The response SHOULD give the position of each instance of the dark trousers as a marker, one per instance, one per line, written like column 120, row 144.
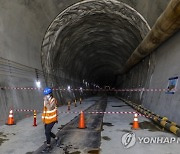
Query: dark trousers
column 48, row 133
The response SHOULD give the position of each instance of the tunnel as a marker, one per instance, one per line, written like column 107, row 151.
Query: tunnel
column 91, row 40
column 89, row 76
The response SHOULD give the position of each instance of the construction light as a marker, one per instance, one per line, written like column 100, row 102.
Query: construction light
column 38, row 84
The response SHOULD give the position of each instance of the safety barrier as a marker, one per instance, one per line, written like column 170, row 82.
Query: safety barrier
column 78, row 112
column 162, row 121
column 11, row 120
column 100, row 89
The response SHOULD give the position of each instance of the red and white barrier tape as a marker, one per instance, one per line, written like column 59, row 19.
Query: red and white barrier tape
column 78, row 112
column 105, row 90
column 92, row 112
column 24, row 110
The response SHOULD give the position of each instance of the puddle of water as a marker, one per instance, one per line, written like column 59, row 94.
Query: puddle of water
column 106, row 138
column 107, row 124
column 2, row 135
column 3, row 138
column 120, row 106
column 29, row 152
column 66, row 149
column 149, row 125
column 126, row 131
column 94, row 151
column 75, row 152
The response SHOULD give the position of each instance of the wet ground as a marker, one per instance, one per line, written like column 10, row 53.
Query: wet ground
column 103, row 134
column 2, row 138
column 23, row 138
column 149, row 125
column 106, row 138
column 115, row 126
column 107, row 124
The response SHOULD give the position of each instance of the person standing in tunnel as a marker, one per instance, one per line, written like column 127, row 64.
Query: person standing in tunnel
column 49, row 117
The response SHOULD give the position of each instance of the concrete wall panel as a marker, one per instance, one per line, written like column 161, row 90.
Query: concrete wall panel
column 166, row 66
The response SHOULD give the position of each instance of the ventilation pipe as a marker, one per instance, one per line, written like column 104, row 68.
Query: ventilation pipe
column 166, row 25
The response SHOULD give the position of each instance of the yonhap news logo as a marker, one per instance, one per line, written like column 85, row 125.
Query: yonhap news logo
column 130, row 139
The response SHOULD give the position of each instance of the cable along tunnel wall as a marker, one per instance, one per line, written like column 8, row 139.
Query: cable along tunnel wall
column 91, row 40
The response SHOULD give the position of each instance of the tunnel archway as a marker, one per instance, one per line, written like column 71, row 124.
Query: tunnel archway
column 91, row 40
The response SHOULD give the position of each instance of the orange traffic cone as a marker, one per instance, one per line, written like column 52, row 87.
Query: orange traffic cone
column 10, row 118
column 135, row 122
column 35, row 118
column 69, row 104
column 75, row 103
column 82, row 121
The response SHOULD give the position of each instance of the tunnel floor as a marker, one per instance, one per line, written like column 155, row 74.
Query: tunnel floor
column 75, row 140
column 104, row 133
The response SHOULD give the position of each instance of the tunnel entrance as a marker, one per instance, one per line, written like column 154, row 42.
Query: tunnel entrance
column 91, row 40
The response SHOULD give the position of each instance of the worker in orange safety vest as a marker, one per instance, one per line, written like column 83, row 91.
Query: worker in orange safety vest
column 49, row 117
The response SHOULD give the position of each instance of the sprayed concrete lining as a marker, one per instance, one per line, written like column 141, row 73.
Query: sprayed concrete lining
column 94, row 38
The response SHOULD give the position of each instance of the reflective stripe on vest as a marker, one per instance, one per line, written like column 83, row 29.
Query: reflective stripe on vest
column 49, row 116
column 49, row 111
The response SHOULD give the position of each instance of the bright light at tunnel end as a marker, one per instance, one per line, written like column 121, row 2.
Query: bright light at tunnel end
column 69, row 88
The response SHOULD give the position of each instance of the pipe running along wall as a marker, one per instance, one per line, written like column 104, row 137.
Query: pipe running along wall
column 166, row 25
column 90, row 40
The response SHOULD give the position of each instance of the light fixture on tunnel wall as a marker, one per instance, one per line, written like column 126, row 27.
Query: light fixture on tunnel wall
column 38, row 83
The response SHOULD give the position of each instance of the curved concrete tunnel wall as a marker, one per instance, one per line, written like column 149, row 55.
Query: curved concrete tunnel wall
column 95, row 38
column 155, row 74
column 23, row 24
column 164, row 64
column 161, row 65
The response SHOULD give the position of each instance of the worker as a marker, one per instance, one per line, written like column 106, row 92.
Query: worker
column 49, row 117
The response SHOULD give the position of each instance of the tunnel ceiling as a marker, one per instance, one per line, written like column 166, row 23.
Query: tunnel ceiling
column 91, row 40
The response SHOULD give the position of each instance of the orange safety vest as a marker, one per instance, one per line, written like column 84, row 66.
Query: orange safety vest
column 50, row 116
